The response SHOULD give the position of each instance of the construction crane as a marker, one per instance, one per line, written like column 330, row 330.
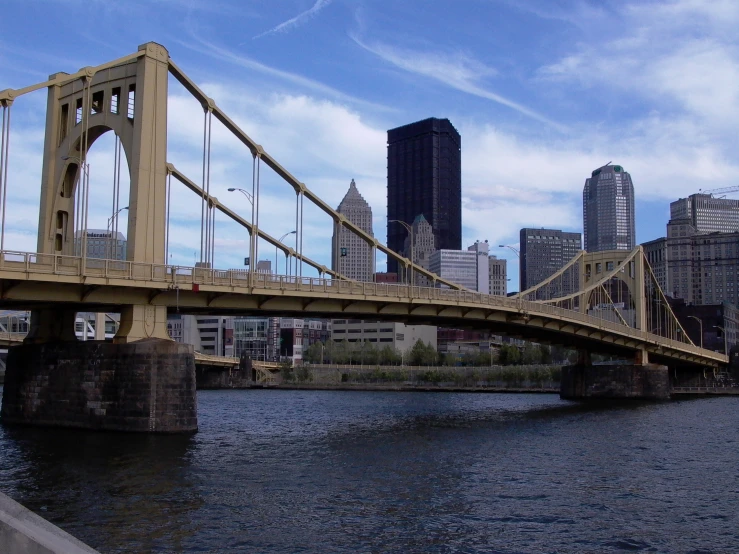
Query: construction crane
column 725, row 190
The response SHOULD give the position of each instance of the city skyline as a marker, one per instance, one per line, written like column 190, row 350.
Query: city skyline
column 347, row 73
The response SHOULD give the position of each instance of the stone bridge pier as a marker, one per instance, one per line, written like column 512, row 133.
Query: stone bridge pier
column 637, row 381
column 135, row 383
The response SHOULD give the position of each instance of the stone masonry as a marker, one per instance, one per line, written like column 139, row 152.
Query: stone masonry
column 144, row 386
column 642, row 382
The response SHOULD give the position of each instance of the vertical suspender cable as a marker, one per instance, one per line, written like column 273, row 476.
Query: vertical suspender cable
column 118, row 196
column 253, row 208
column 166, row 228
column 109, row 245
column 86, row 99
column 211, row 208
column 206, row 186
column 202, row 207
column 4, row 162
column 77, row 214
column 255, row 200
column 297, row 231
column 301, row 233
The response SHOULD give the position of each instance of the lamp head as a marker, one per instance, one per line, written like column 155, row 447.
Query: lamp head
column 231, row 189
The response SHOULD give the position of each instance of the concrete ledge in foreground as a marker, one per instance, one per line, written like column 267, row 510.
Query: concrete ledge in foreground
column 23, row 532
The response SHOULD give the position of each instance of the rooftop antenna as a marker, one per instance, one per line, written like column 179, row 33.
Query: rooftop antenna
column 609, row 163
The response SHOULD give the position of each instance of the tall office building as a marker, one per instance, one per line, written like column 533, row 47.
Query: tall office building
column 498, row 276
column 457, row 266
column 700, row 268
column 352, row 256
column 706, row 213
column 424, row 244
column 544, row 252
column 424, row 170
column 608, row 210
column 482, row 263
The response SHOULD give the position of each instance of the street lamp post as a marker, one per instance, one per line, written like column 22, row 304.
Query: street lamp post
column 413, row 254
column 520, row 275
column 276, row 250
column 515, row 250
column 726, row 344
column 700, row 324
column 252, row 238
column 109, row 230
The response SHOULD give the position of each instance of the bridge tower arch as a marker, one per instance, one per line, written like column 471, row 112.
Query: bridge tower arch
column 594, row 266
column 129, row 99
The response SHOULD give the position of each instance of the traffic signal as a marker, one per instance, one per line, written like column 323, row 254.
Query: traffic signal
column 343, row 252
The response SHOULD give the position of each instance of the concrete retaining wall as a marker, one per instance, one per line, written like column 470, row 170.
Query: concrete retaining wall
column 23, row 532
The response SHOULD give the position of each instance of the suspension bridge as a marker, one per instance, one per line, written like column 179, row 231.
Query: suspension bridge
column 600, row 302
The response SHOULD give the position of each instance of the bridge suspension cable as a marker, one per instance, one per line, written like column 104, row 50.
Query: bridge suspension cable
column 4, row 162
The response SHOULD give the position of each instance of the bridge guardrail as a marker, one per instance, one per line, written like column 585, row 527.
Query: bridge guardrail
column 184, row 275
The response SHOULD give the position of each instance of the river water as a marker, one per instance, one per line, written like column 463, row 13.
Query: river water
column 316, row 471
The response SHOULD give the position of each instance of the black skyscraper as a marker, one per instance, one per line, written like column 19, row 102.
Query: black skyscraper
column 424, row 168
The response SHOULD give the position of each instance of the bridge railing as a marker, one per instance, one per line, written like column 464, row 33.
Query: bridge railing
column 179, row 276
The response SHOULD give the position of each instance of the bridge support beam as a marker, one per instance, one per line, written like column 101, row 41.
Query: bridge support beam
column 626, row 381
column 145, row 386
column 51, row 326
column 142, row 322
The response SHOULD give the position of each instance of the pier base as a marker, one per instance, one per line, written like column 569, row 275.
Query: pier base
column 631, row 381
column 144, row 386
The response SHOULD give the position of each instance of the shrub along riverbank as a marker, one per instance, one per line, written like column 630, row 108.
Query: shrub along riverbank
column 521, row 377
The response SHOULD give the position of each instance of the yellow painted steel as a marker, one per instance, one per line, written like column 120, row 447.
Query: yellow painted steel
column 29, row 280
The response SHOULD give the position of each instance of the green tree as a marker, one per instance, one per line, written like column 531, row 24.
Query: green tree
column 313, row 353
column 530, row 354
column 343, row 352
column 416, row 354
column 449, row 359
column 430, row 355
column 388, row 356
column 422, row 354
column 509, row 355
column 545, row 354
column 558, row 353
column 368, row 353
column 286, row 370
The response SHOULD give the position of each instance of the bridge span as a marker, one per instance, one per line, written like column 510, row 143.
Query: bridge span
column 108, row 285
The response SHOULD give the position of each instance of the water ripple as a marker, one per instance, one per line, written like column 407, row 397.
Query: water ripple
column 318, row 471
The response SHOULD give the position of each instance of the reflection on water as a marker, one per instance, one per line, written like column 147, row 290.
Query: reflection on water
column 313, row 471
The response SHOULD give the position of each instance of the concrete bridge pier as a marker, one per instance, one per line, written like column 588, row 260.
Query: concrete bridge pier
column 638, row 381
column 142, row 381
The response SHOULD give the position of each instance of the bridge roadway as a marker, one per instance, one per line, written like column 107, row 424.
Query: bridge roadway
column 29, row 280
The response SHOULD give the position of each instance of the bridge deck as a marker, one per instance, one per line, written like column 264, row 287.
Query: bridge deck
column 92, row 284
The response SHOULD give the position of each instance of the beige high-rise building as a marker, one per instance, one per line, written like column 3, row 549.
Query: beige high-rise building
column 351, row 256
column 498, row 270
column 424, row 245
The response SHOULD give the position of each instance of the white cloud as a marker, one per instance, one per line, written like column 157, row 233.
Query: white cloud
column 298, row 20
column 458, row 71
column 681, row 56
column 285, row 77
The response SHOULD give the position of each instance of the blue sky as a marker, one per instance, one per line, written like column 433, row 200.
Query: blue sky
column 542, row 92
